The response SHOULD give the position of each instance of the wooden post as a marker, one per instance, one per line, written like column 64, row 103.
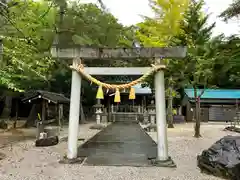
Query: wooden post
column 82, row 115
column 170, row 109
column 142, row 100
column 109, row 109
column 189, row 116
column 16, row 118
column 60, row 115
column 43, row 110
column 43, row 115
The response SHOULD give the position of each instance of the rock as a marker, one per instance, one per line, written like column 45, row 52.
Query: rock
column 232, row 128
column 65, row 160
column 3, row 124
column 222, row 159
column 2, row 156
column 50, row 141
column 97, row 126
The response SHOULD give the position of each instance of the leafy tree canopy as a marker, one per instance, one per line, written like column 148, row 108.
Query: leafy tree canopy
column 232, row 11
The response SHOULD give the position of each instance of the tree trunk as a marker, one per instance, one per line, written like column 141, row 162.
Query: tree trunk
column 197, row 114
column 6, row 112
column 16, row 117
column 7, row 107
column 170, row 109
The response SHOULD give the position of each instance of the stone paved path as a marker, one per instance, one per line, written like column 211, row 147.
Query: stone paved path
column 120, row 144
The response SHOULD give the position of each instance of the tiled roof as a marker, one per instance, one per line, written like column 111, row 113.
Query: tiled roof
column 54, row 97
column 142, row 90
column 215, row 93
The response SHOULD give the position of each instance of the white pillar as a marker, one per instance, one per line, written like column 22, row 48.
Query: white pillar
column 162, row 148
column 74, row 113
column 180, row 110
column 112, row 110
column 139, row 109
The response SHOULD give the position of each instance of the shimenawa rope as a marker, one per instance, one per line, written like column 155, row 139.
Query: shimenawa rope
column 80, row 69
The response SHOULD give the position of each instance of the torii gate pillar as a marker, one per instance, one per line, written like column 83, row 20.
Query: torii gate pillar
column 74, row 113
column 162, row 144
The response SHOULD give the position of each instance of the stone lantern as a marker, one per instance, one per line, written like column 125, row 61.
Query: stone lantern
column 98, row 111
column 152, row 116
column 152, row 112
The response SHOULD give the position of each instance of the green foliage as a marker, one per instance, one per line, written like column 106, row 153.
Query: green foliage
column 25, row 35
column 232, row 11
column 227, row 63
column 158, row 31
column 86, row 24
column 196, row 35
column 28, row 29
column 199, row 63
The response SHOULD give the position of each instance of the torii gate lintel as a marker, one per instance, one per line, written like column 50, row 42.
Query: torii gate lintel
column 87, row 53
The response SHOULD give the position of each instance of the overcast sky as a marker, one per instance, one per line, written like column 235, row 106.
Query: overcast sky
column 128, row 12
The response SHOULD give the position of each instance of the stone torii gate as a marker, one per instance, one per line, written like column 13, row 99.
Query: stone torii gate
column 76, row 53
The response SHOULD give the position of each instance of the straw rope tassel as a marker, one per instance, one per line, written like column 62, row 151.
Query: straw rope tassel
column 100, row 93
column 117, row 97
column 132, row 95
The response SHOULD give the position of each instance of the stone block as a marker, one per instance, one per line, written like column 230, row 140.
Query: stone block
column 50, row 141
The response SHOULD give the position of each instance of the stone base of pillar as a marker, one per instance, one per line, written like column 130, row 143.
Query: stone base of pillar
column 151, row 128
column 97, row 126
column 145, row 122
column 167, row 163
column 77, row 160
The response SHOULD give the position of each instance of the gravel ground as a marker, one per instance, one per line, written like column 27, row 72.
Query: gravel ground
column 26, row 162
